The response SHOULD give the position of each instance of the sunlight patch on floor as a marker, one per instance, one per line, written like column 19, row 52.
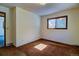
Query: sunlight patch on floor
column 40, row 46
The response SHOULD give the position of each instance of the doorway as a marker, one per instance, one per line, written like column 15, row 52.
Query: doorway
column 2, row 29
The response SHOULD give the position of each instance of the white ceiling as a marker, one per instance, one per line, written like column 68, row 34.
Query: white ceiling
column 43, row 9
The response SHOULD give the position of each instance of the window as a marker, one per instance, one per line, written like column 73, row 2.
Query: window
column 57, row 22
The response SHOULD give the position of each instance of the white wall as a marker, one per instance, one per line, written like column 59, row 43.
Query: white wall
column 69, row 36
column 8, row 23
column 13, row 25
column 27, row 27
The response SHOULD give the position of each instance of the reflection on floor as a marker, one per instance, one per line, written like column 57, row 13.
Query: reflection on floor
column 41, row 48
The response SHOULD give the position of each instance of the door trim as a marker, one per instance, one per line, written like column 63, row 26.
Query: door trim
column 4, row 27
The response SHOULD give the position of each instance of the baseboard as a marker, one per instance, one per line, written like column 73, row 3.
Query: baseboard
column 10, row 45
column 59, row 42
column 28, row 43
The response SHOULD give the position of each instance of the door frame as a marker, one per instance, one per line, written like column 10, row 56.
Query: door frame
column 4, row 27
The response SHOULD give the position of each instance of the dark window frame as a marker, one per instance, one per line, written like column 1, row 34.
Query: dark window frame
column 57, row 18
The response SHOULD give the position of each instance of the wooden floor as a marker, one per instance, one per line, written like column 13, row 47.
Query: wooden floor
column 51, row 49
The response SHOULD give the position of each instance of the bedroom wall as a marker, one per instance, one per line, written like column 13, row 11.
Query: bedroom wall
column 13, row 25
column 27, row 26
column 69, row 36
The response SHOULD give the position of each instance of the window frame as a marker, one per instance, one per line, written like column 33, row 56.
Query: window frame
column 55, row 22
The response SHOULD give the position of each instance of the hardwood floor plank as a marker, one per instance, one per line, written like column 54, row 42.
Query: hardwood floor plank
column 51, row 49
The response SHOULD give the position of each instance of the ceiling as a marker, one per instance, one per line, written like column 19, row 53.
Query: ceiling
column 42, row 10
